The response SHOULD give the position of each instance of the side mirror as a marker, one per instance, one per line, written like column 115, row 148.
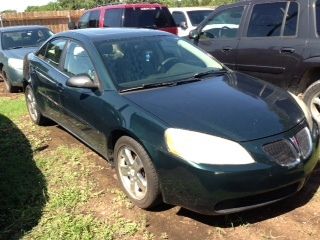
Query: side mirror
column 81, row 81
column 183, row 25
column 194, row 34
column 72, row 25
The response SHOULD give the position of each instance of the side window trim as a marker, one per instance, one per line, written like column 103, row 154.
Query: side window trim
column 284, row 20
column 315, row 19
column 223, row 9
column 92, row 16
column 298, row 21
column 44, row 59
column 249, row 14
column 289, row 3
column 87, row 15
column 71, row 41
column 105, row 13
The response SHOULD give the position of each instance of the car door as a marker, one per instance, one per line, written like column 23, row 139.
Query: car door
column 219, row 34
column 49, row 77
column 271, row 48
column 82, row 107
column 180, row 19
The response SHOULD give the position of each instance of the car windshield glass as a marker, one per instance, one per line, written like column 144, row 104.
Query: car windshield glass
column 135, row 62
column 148, row 18
column 197, row 16
column 24, row 38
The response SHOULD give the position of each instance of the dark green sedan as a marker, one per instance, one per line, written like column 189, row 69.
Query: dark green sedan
column 178, row 126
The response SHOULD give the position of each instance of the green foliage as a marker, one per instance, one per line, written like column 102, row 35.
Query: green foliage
column 87, row 4
column 52, row 6
column 13, row 108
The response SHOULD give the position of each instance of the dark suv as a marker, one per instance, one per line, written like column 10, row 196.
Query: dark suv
column 277, row 41
column 139, row 15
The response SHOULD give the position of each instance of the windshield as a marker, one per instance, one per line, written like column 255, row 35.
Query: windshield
column 24, row 38
column 148, row 18
column 197, row 16
column 141, row 61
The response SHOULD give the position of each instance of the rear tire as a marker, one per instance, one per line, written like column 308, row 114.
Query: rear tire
column 311, row 97
column 136, row 173
column 33, row 108
column 9, row 87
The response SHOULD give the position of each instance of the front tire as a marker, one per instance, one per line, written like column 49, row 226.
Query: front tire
column 136, row 173
column 311, row 98
column 33, row 108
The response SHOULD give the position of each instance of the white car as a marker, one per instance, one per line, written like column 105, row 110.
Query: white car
column 188, row 18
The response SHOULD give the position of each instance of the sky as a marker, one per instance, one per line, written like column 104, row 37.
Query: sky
column 20, row 5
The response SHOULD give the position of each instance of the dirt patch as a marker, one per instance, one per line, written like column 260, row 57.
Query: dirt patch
column 5, row 93
column 297, row 217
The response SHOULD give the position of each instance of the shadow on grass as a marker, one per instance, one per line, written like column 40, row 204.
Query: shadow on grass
column 263, row 213
column 23, row 190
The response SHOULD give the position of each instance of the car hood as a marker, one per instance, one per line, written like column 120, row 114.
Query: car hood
column 233, row 106
column 19, row 53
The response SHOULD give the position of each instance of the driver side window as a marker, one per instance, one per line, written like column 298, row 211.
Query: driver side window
column 78, row 62
column 224, row 24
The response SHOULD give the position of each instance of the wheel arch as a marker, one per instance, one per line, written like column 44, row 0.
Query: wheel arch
column 115, row 135
column 309, row 77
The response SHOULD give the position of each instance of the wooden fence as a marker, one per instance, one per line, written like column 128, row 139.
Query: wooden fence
column 57, row 21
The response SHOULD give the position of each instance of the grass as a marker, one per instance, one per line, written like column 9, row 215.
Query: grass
column 44, row 191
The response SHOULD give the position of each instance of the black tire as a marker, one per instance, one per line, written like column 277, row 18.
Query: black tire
column 151, row 197
column 33, row 108
column 310, row 97
column 9, row 87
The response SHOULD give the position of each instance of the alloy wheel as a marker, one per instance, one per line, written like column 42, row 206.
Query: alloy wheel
column 315, row 107
column 132, row 173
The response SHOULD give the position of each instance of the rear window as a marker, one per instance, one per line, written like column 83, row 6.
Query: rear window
column 197, row 16
column 148, row 18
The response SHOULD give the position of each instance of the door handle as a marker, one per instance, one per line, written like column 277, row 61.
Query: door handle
column 287, row 50
column 226, row 49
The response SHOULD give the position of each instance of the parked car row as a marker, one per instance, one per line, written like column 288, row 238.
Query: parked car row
column 15, row 43
column 179, row 126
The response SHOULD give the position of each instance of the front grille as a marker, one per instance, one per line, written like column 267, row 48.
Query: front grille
column 259, row 198
column 304, row 141
column 282, row 152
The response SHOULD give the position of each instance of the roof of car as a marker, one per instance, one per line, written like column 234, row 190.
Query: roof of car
column 18, row 28
column 185, row 9
column 97, row 34
column 130, row 5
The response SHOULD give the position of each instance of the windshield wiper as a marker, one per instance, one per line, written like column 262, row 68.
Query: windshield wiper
column 149, row 85
column 15, row 47
column 210, row 72
column 195, row 78
column 163, row 84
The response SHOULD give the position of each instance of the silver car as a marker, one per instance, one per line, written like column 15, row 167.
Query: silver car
column 15, row 43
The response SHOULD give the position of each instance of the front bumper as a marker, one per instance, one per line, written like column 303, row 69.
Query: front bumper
column 217, row 190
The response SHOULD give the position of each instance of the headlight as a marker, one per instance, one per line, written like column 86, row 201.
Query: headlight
column 305, row 110
column 15, row 63
column 203, row 148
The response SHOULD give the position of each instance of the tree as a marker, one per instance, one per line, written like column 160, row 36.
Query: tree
column 87, row 4
column 52, row 6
